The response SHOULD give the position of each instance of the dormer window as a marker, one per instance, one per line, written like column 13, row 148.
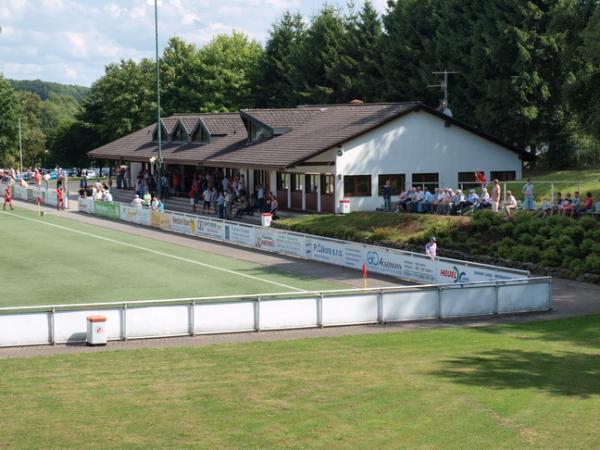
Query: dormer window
column 179, row 135
column 163, row 135
column 259, row 133
column 201, row 136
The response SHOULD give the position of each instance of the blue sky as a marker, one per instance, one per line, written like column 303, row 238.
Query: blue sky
column 70, row 41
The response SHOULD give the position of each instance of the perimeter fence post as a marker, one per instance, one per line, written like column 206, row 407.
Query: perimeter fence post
column 257, row 314
column 439, row 306
column 125, row 321
column 193, row 318
column 380, row 307
column 53, row 326
column 320, row 310
column 496, row 299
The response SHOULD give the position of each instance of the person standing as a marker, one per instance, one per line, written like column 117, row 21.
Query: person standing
column 8, row 199
column 221, row 205
column 496, row 194
column 387, row 196
column 60, row 200
column 431, row 248
column 527, row 190
column 260, row 198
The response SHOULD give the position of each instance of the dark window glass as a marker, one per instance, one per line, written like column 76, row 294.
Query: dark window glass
column 283, row 181
column 357, row 185
column 426, row 180
column 504, row 175
column 327, row 184
column 397, row 183
column 311, row 183
column 467, row 180
column 297, row 181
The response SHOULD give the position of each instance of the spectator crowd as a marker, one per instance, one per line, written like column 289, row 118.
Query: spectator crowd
column 447, row 201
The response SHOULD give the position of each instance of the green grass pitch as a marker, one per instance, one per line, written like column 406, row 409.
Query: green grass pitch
column 505, row 387
column 53, row 260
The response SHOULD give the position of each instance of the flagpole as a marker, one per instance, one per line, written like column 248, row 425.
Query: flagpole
column 20, row 150
column 158, row 124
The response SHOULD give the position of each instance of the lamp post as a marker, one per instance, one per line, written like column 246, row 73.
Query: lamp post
column 159, row 134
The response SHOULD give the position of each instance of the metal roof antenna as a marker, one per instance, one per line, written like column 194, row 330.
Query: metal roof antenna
column 444, row 109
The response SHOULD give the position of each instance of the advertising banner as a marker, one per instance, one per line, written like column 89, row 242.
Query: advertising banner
column 165, row 221
column 212, row 229
column 20, row 192
column 107, row 209
column 290, row 244
column 240, row 234
column 184, row 224
column 86, row 205
column 331, row 252
column 135, row 215
column 455, row 272
column 265, row 239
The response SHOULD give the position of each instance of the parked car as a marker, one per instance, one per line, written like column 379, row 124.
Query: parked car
column 91, row 173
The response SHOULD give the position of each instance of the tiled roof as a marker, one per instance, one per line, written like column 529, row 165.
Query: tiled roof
column 310, row 131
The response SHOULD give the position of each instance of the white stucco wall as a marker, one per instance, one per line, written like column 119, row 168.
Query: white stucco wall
column 419, row 143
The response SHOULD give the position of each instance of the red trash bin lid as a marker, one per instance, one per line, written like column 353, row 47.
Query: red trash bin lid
column 96, row 319
column 266, row 214
column 344, row 201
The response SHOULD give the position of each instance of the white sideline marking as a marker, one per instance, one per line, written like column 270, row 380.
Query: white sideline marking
column 156, row 252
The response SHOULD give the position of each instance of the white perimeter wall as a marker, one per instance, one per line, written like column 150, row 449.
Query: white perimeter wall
column 419, row 143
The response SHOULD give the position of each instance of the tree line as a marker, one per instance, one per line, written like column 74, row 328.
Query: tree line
column 528, row 72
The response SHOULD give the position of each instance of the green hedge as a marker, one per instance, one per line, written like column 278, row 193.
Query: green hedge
column 555, row 242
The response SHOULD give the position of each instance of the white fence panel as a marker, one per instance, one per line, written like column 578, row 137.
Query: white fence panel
column 468, row 301
column 524, row 297
column 410, row 305
column 224, row 317
column 24, row 329
column 171, row 320
column 345, row 310
column 71, row 326
column 299, row 313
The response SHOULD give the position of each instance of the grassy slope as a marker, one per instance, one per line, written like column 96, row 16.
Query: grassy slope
column 566, row 181
column 401, row 228
column 512, row 386
column 46, row 265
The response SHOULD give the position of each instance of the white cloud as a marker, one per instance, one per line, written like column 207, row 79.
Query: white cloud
column 78, row 43
column 73, row 40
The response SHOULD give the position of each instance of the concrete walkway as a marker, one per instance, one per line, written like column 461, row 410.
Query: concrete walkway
column 570, row 299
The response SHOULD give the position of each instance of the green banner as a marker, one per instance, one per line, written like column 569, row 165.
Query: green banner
column 107, row 209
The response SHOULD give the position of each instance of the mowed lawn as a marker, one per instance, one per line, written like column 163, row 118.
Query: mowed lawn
column 79, row 263
column 511, row 386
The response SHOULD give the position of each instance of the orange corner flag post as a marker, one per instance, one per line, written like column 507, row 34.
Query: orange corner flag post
column 365, row 274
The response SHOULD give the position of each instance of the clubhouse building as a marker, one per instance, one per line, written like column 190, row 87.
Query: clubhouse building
column 312, row 157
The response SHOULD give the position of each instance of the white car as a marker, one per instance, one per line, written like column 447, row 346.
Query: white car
column 91, row 173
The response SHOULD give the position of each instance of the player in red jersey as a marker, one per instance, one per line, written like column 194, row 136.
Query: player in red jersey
column 60, row 201
column 8, row 199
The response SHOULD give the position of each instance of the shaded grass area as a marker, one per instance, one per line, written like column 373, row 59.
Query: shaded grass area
column 47, row 265
column 512, row 386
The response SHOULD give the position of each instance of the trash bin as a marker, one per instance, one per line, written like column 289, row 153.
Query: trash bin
column 96, row 330
column 345, row 206
column 265, row 219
